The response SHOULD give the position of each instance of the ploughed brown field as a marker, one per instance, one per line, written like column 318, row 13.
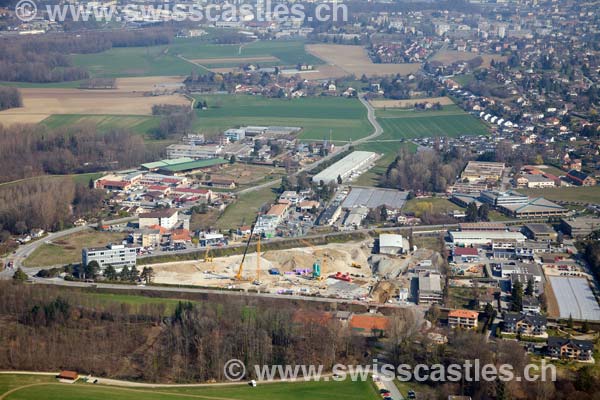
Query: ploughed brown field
column 354, row 60
column 129, row 98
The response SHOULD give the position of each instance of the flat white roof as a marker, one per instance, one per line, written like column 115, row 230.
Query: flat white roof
column 491, row 235
column 390, row 240
column 343, row 166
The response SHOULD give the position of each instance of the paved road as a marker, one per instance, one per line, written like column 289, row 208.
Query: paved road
column 377, row 129
column 23, row 251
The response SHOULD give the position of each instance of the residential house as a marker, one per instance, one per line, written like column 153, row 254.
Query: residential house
column 572, row 349
column 465, row 319
column 525, row 324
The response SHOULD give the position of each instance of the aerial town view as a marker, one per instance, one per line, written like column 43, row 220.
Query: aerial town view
column 300, row 199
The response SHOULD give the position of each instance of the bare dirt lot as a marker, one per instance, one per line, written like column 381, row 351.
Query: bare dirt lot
column 354, row 60
column 146, row 83
column 409, row 103
column 451, row 56
column 219, row 273
column 40, row 103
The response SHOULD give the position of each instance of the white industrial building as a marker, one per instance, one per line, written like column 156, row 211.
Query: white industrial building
column 468, row 238
column 346, row 167
column 117, row 255
column 166, row 218
column 202, row 152
column 392, row 244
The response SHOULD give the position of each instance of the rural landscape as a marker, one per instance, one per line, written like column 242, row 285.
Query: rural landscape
column 301, row 200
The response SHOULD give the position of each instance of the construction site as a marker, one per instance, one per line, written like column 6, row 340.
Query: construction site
column 342, row 270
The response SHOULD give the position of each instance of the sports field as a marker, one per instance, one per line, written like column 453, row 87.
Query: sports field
column 29, row 387
column 177, row 58
column 450, row 121
column 346, row 118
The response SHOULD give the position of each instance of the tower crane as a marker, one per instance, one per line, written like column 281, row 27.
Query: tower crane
column 238, row 275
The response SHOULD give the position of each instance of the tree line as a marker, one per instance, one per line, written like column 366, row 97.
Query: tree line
column 175, row 120
column 45, row 58
column 46, row 203
column 10, row 97
column 424, row 171
column 187, row 343
column 81, row 148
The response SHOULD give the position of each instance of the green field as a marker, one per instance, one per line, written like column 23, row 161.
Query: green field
column 166, row 60
column 584, row 194
column 407, row 123
column 46, row 388
column 389, row 150
column 289, row 52
column 243, row 211
column 68, row 249
column 436, row 205
column 134, row 61
column 346, row 118
column 142, row 124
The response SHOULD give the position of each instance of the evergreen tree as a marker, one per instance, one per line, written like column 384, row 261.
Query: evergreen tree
column 483, row 212
column 20, row 276
column 585, row 327
column 530, row 287
column 134, row 274
column 471, row 213
column 570, row 322
column 124, row 275
column 517, row 297
column 92, row 269
column 110, row 273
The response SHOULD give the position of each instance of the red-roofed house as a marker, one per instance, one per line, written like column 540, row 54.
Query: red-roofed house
column 466, row 319
column 370, row 325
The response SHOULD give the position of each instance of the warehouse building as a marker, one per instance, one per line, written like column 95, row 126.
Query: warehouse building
column 534, row 208
column 352, row 164
column 540, row 232
column 430, row 288
column 117, row 255
column 579, row 227
column 392, row 244
column 375, row 197
column 191, row 166
column 470, row 238
column 480, row 171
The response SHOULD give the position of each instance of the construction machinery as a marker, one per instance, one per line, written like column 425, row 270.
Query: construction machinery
column 318, row 267
column 207, row 256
